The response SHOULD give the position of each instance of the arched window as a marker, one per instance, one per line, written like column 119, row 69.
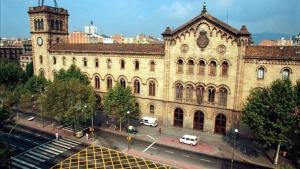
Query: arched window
column 41, row 59
column 54, row 60
column 108, row 63
column 152, row 109
column 198, row 120
column 97, row 82
column 286, row 73
column 122, row 64
column 42, row 73
column 180, row 66
column 225, row 67
column 178, row 117
column 211, row 94
column 84, row 62
column 109, row 83
column 152, row 66
column 201, row 67
column 64, row 61
column 73, row 61
column 190, row 66
column 189, row 93
column 212, row 68
column 223, row 94
column 96, row 63
column 261, row 73
column 42, row 24
column 136, row 86
column 179, row 91
column 220, row 124
column 137, row 65
column 123, row 82
column 151, row 88
column 200, row 94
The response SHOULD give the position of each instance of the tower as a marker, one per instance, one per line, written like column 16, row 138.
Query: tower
column 48, row 26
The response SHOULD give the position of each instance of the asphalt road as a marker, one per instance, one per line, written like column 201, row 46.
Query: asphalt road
column 165, row 152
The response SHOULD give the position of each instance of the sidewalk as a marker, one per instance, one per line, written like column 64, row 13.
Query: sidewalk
column 210, row 144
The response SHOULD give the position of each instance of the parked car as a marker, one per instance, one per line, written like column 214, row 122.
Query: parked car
column 30, row 118
column 189, row 139
column 132, row 130
column 149, row 121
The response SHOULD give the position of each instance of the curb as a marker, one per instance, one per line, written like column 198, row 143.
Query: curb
column 214, row 156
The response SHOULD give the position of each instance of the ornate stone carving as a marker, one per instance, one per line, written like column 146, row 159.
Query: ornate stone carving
column 184, row 48
column 202, row 40
column 221, row 49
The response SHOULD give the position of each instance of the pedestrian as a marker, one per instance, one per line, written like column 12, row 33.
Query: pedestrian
column 87, row 136
column 159, row 130
column 56, row 135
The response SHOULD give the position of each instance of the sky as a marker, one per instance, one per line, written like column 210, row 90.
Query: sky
column 131, row 17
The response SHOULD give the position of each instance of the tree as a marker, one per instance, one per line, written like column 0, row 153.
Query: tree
column 68, row 101
column 11, row 74
column 36, row 84
column 29, row 70
column 118, row 101
column 72, row 72
column 4, row 114
column 269, row 114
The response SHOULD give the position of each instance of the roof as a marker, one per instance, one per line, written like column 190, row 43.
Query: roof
column 101, row 157
column 138, row 49
column 211, row 19
column 190, row 136
column 273, row 52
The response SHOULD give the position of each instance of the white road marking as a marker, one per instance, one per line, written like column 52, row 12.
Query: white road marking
column 171, row 152
column 185, row 155
column 154, row 148
column 151, row 137
column 205, row 160
column 149, row 146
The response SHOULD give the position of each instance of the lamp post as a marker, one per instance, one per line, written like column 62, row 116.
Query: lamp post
column 234, row 140
column 128, row 138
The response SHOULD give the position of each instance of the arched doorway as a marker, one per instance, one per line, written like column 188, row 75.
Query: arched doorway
column 198, row 120
column 220, row 124
column 178, row 117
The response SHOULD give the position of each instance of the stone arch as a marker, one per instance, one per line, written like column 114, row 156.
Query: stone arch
column 137, row 77
column 87, row 75
column 226, row 60
column 202, row 59
column 109, row 75
column 124, row 77
column 152, row 79
column 224, row 86
column 96, row 74
column 261, row 66
column 286, row 68
column 176, row 82
column 220, row 123
column 213, row 59
column 198, row 120
column 178, row 117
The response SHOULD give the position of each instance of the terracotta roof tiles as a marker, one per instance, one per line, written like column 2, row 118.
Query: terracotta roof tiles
column 273, row 52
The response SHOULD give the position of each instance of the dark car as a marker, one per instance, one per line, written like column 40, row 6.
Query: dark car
column 132, row 130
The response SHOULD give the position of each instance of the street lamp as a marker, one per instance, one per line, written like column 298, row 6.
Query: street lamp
column 234, row 140
column 128, row 138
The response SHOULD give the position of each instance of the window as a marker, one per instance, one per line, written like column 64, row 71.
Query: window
column 136, row 86
column 179, row 90
column 35, row 24
column 201, row 67
column 41, row 59
column 212, row 68
column 189, row 93
column 96, row 63
column 179, row 66
column 64, row 61
column 54, row 60
column 261, row 73
column 61, row 25
column 152, row 66
column 84, row 62
column 52, row 24
column 152, row 109
column 97, row 82
column 109, row 83
column 56, row 25
column 200, row 94
column 122, row 64
column 190, row 67
column 211, row 94
column 74, row 61
column 42, row 73
column 123, row 82
column 286, row 73
column 108, row 63
column 42, row 24
column 223, row 96
column 137, row 65
column 151, row 88
column 224, row 69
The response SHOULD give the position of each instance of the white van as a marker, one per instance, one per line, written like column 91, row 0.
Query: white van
column 149, row 121
column 189, row 139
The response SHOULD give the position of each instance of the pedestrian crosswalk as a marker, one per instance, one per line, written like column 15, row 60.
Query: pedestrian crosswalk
column 34, row 158
column 76, row 128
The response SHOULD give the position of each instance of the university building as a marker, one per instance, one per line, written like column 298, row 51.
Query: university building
column 199, row 78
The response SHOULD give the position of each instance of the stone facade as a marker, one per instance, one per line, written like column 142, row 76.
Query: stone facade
column 201, row 75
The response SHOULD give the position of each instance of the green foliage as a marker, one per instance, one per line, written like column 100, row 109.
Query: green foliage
column 269, row 113
column 69, row 101
column 118, row 101
column 10, row 96
column 72, row 72
column 4, row 113
column 29, row 70
column 36, row 84
column 11, row 74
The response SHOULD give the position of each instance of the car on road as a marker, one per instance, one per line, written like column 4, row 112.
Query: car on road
column 149, row 121
column 189, row 139
column 30, row 118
